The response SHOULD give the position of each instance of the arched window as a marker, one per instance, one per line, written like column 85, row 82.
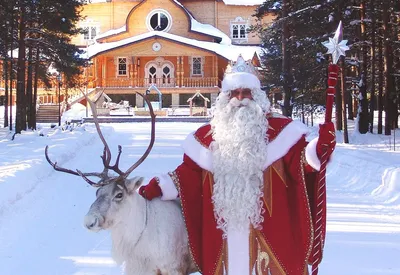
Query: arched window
column 152, row 75
column 167, row 75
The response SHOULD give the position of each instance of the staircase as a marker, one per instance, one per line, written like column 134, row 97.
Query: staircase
column 47, row 114
column 78, row 96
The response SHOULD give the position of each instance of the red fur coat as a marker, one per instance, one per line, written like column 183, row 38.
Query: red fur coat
column 287, row 231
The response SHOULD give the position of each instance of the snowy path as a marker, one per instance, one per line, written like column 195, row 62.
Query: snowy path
column 41, row 211
column 363, row 230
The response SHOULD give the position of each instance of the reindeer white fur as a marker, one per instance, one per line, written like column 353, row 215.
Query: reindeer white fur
column 149, row 236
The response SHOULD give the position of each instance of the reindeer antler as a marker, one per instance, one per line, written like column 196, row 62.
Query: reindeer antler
column 152, row 139
column 106, row 157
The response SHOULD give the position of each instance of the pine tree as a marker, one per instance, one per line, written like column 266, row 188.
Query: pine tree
column 372, row 28
column 45, row 28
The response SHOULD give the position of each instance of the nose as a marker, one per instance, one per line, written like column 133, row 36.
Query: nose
column 92, row 222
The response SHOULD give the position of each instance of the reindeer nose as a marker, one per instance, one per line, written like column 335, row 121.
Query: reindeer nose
column 92, row 223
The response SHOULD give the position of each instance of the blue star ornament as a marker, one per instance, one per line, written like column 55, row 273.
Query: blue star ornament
column 336, row 47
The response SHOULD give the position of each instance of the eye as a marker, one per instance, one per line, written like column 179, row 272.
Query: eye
column 119, row 196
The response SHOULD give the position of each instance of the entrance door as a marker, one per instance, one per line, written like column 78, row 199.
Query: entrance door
column 160, row 72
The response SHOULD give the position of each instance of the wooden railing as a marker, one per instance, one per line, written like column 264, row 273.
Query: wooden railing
column 187, row 82
column 159, row 82
column 200, row 82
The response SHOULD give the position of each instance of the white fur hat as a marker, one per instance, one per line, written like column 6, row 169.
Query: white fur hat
column 240, row 74
column 240, row 80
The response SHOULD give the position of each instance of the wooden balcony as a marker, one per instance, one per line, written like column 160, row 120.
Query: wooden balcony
column 186, row 82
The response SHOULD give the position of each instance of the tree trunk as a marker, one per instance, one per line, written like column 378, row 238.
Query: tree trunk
column 286, row 68
column 338, row 110
column 396, row 80
column 363, row 112
column 343, row 103
column 372, row 104
column 36, row 79
column 11, row 70
column 380, row 85
column 355, row 97
column 7, row 99
column 29, row 86
column 350, row 105
column 20, row 120
column 388, row 67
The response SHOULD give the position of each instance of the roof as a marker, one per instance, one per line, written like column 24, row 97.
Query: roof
column 198, row 94
column 230, row 52
column 243, row 2
column 195, row 26
column 227, row 2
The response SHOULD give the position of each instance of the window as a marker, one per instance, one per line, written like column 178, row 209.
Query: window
column 239, row 31
column 89, row 33
column 90, row 30
column 197, row 66
column 166, row 75
column 122, row 66
column 159, row 20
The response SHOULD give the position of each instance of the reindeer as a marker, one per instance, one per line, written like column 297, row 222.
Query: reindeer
column 148, row 236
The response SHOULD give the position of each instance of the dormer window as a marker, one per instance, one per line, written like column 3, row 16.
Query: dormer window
column 239, row 31
column 159, row 20
column 90, row 29
column 89, row 33
column 239, row 28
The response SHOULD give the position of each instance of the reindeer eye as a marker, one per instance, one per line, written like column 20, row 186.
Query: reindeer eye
column 119, row 195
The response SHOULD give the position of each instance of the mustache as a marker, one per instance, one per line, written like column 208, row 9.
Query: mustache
column 234, row 102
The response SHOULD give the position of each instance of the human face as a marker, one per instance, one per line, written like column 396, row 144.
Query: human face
column 241, row 94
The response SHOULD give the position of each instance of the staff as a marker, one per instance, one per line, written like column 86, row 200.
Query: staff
column 337, row 48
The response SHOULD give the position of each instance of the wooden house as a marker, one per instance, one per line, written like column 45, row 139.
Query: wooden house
column 180, row 46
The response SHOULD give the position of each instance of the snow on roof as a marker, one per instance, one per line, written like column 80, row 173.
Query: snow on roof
column 210, row 30
column 230, row 52
column 243, row 2
column 195, row 26
column 111, row 32
column 206, row 28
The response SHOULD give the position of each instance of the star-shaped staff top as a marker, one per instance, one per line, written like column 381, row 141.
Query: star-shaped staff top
column 336, row 47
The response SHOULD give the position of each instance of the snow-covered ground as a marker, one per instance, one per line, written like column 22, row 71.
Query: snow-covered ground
column 41, row 210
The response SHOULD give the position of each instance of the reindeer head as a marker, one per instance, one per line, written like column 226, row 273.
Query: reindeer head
column 115, row 192
column 114, row 202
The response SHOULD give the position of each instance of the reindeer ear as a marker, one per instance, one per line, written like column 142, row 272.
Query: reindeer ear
column 133, row 183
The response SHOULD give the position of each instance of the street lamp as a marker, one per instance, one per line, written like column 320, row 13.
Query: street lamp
column 59, row 78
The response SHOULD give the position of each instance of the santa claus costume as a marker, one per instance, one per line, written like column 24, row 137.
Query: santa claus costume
column 246, row 185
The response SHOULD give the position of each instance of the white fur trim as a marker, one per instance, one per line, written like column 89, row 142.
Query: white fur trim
column 198, row 153
column 168, row 188
column 311, row 154
column 238, row 252
column 277, row 148
column 286, row 139
column 240, row 80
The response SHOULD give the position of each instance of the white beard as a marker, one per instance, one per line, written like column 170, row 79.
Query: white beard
column 239, row 153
